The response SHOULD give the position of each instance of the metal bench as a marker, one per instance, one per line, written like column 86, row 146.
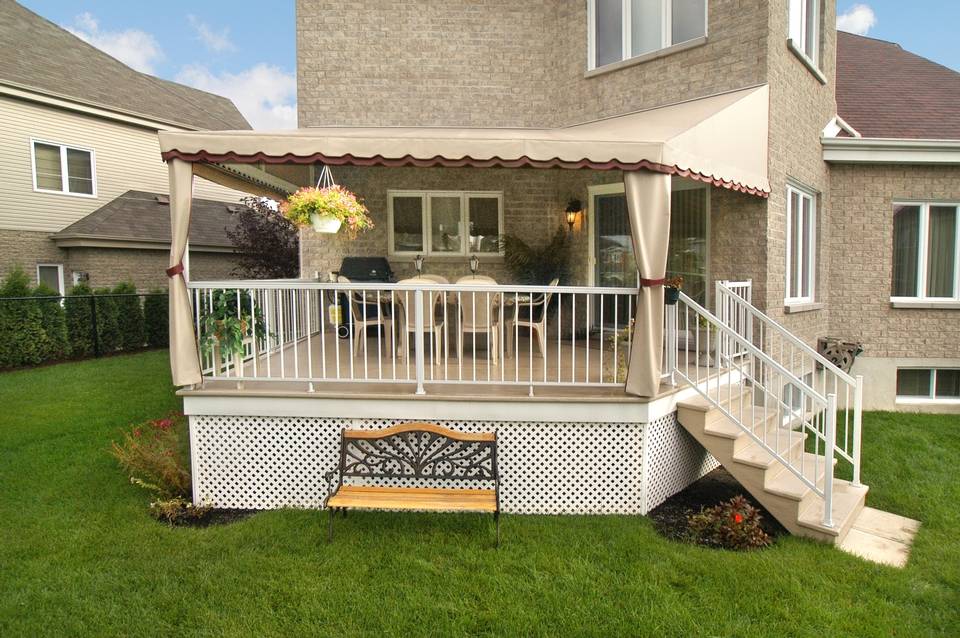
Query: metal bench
column 374, row 462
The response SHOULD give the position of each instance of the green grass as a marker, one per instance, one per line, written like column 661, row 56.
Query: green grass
column 79, row 554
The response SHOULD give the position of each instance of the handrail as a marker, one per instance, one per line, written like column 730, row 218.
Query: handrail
column 751, row 348
column 793, row 339
column 293, row 284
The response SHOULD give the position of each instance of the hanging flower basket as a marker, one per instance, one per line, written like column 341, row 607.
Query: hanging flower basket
column 327, row 207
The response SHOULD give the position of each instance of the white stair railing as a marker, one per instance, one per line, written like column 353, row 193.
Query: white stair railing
column 737, row 311
column 780, row 410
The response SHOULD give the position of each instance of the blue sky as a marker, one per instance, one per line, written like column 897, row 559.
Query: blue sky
column 247, row 50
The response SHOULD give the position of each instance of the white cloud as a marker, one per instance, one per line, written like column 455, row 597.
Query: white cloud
column 859, row 20
column 135, row 48
column 216, row 41
column 265, row 94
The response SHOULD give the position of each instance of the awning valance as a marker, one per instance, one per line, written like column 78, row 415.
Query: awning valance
column 720, row 139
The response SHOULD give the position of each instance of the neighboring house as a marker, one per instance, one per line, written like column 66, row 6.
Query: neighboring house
column 78, row 130
column 459, row 123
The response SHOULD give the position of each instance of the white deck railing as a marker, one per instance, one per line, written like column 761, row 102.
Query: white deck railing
column 315, row 332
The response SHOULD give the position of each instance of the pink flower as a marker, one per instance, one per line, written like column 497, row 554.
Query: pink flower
column 738, row 518
column 136, row 432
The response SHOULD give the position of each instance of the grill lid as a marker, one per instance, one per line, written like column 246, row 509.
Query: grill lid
column 366, row 269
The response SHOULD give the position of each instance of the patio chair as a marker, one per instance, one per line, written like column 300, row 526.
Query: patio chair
column 432, row 323
column 532, row 314
column 364, row 313
column 479, row 314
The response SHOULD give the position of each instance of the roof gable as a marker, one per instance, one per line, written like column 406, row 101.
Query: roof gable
column 40, row 55
column 884, row 91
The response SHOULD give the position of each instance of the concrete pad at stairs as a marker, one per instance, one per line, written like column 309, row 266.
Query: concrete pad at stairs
column 881, row 537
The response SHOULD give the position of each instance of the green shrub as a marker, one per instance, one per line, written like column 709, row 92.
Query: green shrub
column 129, row 317
column 733, row 524
column 156, row 319
column 22, row 339
column 76, row 306
column 153, row 455
column 108, row 320
column 54, row 323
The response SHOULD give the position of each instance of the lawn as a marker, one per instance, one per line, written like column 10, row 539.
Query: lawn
column 80, row 556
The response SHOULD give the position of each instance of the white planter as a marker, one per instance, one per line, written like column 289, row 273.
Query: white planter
column 325, row 223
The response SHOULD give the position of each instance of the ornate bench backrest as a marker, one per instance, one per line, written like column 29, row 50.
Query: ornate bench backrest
column 418, row 451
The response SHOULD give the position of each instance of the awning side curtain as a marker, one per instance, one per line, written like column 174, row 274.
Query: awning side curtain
column 184, row 359
column 648, row 203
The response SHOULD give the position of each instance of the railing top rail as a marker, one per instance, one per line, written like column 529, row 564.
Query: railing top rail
column 297, row 284
column 819, row 358
column 752, row 349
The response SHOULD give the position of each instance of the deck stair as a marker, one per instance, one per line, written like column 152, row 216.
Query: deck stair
column 779, row 417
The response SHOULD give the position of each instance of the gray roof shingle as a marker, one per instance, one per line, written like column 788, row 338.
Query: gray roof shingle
column 886, row 92
column 142, row 216
column 38, row 54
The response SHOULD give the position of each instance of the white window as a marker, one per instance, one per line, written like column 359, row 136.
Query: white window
column 805, row 28
column 623, row 29
column 51, row 276
column 928, row 384
column 445, row 222
column 801, row 245
column 926, row 253
column 63, row 169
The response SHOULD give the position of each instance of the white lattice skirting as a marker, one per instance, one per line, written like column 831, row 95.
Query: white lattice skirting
column 253, row 462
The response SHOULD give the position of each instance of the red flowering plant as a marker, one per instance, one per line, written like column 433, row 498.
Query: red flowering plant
column 733, row 524
column 153, row 455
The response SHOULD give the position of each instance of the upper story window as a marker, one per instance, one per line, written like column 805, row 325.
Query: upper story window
column 801, row 245
column 445, row 222
column 623, row 29
column 805, row 28
column 63, row 169
column 926, row 252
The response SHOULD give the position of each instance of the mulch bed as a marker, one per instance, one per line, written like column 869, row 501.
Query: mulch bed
column 670, row 517
column 216, row 517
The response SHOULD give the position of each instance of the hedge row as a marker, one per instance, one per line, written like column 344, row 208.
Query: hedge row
column 36, row 330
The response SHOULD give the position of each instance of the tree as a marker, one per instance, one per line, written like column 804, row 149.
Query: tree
column 22, row 339
column 155, row 316
column 53, row 321
column 77, row 306
column 266, row 242
column 129, row 317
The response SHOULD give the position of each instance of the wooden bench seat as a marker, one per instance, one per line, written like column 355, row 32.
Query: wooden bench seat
column 415, row 452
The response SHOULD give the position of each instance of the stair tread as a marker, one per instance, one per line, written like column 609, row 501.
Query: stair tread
column 729, row 430
column 757, row 456
column 848, row 501
column 701, row 404
column 789, row 485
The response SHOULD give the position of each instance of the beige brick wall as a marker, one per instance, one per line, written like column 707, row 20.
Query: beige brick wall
column 422, row 62
column 860, row 239
column 106, row 266
column 800, row 107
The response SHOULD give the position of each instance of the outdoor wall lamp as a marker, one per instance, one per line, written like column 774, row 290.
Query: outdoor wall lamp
column 574, row 208
column 474, row 264
column 418, row 264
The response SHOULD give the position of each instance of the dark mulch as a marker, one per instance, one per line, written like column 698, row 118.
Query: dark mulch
column 670, row 517
column 215, row 517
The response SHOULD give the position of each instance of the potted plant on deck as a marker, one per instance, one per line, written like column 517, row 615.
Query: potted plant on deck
column 226, row 327
column 671, row 290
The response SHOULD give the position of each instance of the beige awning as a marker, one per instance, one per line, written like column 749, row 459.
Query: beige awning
column 720, row 139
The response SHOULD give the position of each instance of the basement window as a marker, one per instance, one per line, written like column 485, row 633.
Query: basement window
column 928, row 384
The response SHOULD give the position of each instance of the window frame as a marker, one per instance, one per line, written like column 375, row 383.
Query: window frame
column 59, row 267
column 426, row 197
column 814, row 198
column 64, row 173
column 922, row 254
column 927, row 398
column 626, row 33
column 805, row 7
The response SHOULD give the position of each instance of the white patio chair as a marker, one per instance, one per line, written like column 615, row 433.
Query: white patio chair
column 532, row 314
column 479, row 314
column 404, row 300
column 364, row 313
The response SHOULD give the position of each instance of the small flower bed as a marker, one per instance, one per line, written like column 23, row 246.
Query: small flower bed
column 733, row 524
column 153, row 455
column 332, row 201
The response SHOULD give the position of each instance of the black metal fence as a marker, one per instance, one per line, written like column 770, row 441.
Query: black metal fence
column 38, row 329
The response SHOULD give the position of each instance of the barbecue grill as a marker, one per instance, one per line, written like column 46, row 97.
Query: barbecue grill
column 360, row 270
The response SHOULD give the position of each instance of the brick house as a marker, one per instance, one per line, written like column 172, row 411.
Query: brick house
column 677, row 137
column 77, row 134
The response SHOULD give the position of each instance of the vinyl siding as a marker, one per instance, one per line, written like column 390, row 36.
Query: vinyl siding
column 127, row 157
